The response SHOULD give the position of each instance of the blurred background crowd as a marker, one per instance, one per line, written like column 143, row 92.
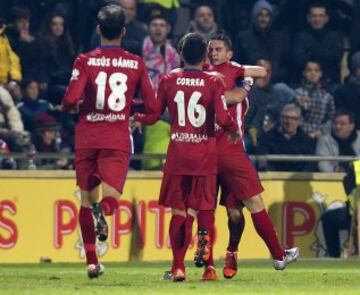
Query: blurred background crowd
column 308, row 104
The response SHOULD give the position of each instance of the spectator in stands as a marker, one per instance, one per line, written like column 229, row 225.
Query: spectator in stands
column 261, row 41
column 343, row 140
column 203, row 22
column 336, row 219
column 11, row 126
column 348, row 95
column 263, row 100
column 47, row 139
column 135, row 30
column 31, row 105
column 318, row 42
column 10, row 69
column 287, row 139
column 316, row 103
column 160, row 58
column 27, row 47
column 58, row 52
column 266, row 100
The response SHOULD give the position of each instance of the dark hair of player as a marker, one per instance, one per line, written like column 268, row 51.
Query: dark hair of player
column 111, row 20
column 193, row 48
column 222, row 36
column 344, row 112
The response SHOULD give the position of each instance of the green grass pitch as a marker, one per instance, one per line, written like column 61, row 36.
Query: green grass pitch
column 254, row 277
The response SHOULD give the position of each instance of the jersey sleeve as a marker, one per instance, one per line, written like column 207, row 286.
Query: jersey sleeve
column 239, row 71
column 223, row 117
column 76, row 85
column 147, row 91
column 152, row 118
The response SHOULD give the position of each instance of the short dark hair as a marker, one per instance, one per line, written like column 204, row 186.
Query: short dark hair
column 318, row 5
column 20, row 12
column 193, row 48
column 156, row 17
column 111, row 20
column 315, row 61
column 222, row 36
column 345, row 112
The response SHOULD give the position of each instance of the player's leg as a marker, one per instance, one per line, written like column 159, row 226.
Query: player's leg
column 88, row 234
column 236, row 224
column 266, row 230
column 203, row 198
column 85, row 165
column 206, row 239
column 112, row 166
column 177, row 230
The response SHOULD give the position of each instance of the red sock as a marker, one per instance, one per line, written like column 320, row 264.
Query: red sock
column 206, row 220
column 88, row 234
column 109, row 205
column 177, row 237
column 188, row 234
column 235, row 233
column 266, row 231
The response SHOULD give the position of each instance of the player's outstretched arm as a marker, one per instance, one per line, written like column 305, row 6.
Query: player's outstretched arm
column 254, row 71
column 76, row 86
column 240, row 92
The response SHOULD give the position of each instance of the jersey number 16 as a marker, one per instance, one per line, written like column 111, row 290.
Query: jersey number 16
column 196, row 112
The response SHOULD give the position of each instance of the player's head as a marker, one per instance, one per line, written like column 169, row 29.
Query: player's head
column 111, row 22
column 220, row 49
column 193, row 49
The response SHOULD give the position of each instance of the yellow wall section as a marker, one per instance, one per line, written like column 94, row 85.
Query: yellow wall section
column 35, row 199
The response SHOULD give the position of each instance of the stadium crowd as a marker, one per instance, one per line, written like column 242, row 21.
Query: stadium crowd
column 309, row 102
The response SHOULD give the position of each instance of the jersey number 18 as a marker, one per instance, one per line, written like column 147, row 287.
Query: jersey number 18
column 116, row 100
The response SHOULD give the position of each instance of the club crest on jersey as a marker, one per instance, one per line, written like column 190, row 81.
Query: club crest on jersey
column 75, row 74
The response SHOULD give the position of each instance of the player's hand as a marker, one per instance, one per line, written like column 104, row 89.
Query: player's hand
column 234, row 136
column 135, row 125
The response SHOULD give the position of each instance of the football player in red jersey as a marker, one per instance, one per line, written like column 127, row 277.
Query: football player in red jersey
column 193, row 98
column 102, row 87
column 238, row 179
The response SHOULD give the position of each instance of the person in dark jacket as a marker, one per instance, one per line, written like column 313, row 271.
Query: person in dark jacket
column 261, row 41
column 348, row 96
column 27, row 47
column 318, row 42
column 288, row 139
column 59, row 54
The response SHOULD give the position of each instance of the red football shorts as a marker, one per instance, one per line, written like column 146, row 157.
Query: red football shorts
column 237, row 178
column 94, row 166
column 186, row 191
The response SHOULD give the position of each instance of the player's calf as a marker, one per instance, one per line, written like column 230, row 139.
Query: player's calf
column 202, row 253
column 102, row 228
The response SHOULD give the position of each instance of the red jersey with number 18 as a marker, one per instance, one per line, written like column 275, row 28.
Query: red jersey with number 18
column 193, row 98
column 105, row 80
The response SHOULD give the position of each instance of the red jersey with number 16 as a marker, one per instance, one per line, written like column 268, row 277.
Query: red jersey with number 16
column 105, row 80
column 193, row 98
